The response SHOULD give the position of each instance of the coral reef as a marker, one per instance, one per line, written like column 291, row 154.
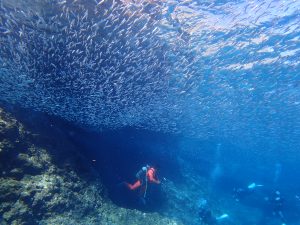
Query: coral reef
column 44, row 180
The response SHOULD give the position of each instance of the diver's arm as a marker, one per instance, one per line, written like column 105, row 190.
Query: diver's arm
column 152, row 178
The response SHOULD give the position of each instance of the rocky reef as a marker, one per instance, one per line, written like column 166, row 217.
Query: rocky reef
column 44, row 179
column 183, row 198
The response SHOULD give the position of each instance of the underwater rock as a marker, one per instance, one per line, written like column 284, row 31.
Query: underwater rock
column 45, row 180
column 9, row 189
column 16, row 173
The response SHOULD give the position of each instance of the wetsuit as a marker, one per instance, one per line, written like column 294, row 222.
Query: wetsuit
column 142, row 179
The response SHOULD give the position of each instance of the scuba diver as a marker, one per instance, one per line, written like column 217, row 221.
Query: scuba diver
column 144, row 176
column 239, row 193
column 206, row 215
column 276, row 201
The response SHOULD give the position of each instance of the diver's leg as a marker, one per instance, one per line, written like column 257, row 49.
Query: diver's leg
column 134, row 186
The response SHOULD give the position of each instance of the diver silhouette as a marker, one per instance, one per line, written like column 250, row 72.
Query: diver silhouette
column 144, row 176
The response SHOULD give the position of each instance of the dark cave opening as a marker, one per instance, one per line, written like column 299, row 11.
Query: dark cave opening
column 116, row 155
column 119, row 155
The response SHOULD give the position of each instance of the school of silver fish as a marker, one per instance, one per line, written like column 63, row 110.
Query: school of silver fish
column 203, row 69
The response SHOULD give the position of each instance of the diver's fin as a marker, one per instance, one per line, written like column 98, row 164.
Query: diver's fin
column 222, row 217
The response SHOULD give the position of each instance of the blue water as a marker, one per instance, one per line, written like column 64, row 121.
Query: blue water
column 214, row 84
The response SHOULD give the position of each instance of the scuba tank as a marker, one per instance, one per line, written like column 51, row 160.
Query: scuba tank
column 141, row 175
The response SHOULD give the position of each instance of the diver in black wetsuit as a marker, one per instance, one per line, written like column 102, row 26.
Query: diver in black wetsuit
column 207, row 217
column 277, row 202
